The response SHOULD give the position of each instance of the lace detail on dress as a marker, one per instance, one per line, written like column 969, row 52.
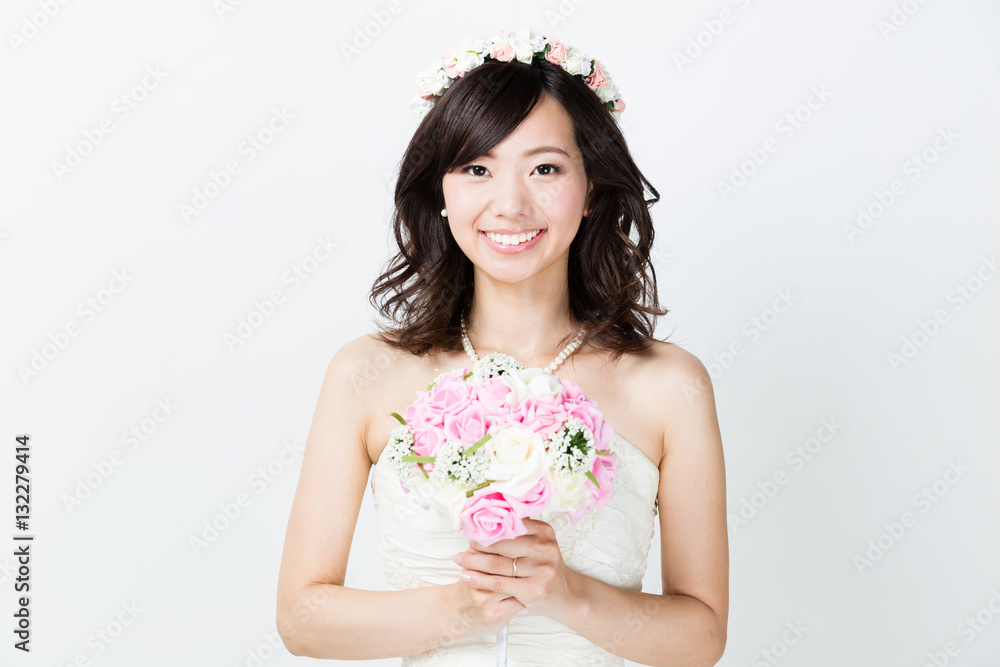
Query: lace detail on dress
column 399, row 577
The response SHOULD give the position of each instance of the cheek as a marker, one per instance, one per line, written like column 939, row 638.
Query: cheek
column 567, row 203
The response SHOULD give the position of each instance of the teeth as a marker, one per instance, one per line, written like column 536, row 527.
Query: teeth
column 512, row 239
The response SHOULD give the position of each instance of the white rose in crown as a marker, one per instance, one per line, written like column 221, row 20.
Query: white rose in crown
column 433, row 80
column 577, row 62
column 530, row 382
column 608, row 92
column 517, row 460
column 525, row 43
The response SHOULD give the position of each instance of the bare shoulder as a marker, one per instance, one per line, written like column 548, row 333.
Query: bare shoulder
column 378, row 378
column 668, row 375
column 673, row 384
column 363, row 363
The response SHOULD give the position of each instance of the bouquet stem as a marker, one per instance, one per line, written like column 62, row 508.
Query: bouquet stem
column 502, row 646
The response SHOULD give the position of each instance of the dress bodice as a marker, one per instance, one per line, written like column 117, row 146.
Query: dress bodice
column 611, row 544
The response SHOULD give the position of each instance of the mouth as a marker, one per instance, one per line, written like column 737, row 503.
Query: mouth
column 512, row 240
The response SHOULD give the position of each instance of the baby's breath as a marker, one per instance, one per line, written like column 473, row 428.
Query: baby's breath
column 572, row 447
column 492, row 365
column 401, row 444
column 452, row 467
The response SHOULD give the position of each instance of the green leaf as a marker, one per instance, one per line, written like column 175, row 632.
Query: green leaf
column 468, row 494
column 413, row 458
column 423, row 471
column 467, row 375
column 471, row 450
column 396, row 415
column 593, row 479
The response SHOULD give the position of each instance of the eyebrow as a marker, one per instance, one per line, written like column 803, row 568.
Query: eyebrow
column 533, row 151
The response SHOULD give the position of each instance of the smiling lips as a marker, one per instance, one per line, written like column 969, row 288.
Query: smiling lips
column 513, row 239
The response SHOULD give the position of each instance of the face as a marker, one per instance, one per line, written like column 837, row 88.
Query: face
column 532, row 187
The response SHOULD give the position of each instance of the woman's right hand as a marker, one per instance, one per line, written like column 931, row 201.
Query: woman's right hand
column 484, row 612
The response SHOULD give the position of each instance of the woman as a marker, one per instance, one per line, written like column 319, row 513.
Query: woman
column 522, row 228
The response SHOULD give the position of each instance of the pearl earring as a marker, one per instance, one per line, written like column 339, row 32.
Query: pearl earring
column 444, row 213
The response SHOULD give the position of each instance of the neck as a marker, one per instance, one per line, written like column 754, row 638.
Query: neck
column 526, row 321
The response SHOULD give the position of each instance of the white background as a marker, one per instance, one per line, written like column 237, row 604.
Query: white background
column 892, row 82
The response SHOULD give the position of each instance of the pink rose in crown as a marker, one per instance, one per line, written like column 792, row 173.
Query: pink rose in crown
column 557, row 54
column 490, row 518
column 503, row 48
column 450, row 63
column 598, row 78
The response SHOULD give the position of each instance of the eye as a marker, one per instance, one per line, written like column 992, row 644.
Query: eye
column 548, row 169
column 474, row 170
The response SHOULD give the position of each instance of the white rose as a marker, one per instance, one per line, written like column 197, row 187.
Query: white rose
column 567, row 492
column 538, row 42
column 577, row 62
column 608, row 92
column 447, row 499
column 433, row 80
column 420, row 106
column 532, row 382
column 524, row 43
column 452, row 500
column 517, row 460
column 469, row 54
column 466, row 61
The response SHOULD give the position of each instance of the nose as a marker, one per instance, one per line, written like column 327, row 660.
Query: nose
column 510, row 197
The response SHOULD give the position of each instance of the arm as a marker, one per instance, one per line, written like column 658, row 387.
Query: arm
column 317, row 615
column 686, row 625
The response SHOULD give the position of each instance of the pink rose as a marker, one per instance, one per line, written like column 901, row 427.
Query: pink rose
column 450, row 396
column 541, row 414
column 604, row 471
column 572, row 391
column 557, row 54
column 535, row 500
column 504, row 52
column 490, row 518
column 468, row 425
column 598, row 78
column 587, row 412
column 493, row 395
column 448, row 58
column 619, row 105
column 427, row 441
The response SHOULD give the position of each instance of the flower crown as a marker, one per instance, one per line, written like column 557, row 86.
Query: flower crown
column 505, row 46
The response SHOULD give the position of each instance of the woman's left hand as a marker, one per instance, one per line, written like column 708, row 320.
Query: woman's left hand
column 544, row 584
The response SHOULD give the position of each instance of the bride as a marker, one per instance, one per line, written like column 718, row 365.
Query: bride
column 522, row 228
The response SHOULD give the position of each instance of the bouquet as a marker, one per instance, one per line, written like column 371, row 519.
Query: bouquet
column 492, row 445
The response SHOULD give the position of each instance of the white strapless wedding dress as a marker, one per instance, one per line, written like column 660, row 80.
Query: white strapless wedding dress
column 611, row 544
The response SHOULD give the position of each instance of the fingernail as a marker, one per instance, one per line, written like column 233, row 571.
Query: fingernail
column 458, row 558
column 466, row 576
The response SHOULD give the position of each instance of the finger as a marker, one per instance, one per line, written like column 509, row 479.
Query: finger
column 489, row 563
column 493, row 583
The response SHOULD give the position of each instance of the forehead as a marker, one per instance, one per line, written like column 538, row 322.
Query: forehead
column 548, row 124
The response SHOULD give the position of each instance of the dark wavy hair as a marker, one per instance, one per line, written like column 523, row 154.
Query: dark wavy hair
column 428, row 284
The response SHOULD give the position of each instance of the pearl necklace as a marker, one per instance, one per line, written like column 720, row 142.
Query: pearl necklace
column 561, row 357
